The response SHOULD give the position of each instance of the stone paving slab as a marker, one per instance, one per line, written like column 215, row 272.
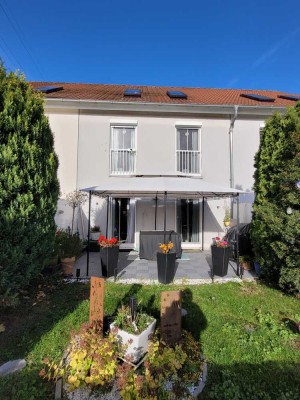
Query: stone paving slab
column 196, row 270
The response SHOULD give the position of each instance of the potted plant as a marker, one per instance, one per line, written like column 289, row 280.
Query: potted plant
column 227, row 218
column 92, row 360
column 133, row 330
column 168, row 372
column 220, row 252
column 246, row 262
column 166, row 263
column 95, row 232
column 109, row 255
column 69, row 247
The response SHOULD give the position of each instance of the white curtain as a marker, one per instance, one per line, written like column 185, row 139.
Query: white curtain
column 130, row 221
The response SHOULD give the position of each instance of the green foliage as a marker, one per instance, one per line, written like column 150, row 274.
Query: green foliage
column 68, row 244
column 28, row 182
column 92, row 360
column 125, row 322
column 248, row 340
column 167, row 372
column 276, row 234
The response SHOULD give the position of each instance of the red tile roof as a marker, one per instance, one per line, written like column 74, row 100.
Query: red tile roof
column 158, row 94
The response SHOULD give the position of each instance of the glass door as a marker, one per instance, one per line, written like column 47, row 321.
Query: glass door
column 123, row 220
column 188, row 219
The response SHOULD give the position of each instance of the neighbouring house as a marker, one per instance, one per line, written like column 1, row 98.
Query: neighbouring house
column 108, row 134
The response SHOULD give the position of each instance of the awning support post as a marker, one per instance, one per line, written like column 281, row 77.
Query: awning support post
column 155, row 222
column 202, row 227
column 89, row 229
column 239, row 270
column 165, row 216
column 107, row 208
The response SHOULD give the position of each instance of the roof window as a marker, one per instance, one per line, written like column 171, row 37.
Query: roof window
column 289, row 97
column 48, row 89
column 257, row 97
column 133, row 92
column 176, row 94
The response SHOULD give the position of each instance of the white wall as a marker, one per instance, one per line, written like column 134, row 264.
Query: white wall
column 82, row 142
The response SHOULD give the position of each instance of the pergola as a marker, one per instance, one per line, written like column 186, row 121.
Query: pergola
column 172, row 187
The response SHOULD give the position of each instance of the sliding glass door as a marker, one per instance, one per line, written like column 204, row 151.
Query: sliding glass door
column 123, row 219
column 188, row 220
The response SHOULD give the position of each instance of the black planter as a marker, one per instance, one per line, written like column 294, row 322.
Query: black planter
column 220, row 259
column 166, row 265
column 109, row 260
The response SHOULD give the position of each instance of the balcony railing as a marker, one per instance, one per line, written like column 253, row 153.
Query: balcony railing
column 122, row 162
column 188, row 161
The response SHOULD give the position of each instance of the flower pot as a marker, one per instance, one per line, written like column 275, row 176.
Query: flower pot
column 136, row 345
column 109, row 260
column 166, row 267
column 220, row 260
column 94, row 235
column 67, row 265
column 226, row 223
column 257, row 268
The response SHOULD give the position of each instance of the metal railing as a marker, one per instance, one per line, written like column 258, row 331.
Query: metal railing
column 122, row 161
column 188, row 161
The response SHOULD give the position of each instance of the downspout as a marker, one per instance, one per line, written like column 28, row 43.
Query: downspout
column 232, row 122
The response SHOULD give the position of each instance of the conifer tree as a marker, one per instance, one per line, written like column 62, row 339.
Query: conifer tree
column 276, row 217
column 29, row 186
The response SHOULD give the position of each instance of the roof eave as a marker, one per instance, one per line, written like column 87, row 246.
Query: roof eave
column 101, row 105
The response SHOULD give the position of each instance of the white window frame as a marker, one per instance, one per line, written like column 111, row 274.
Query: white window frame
column 132, row 124
column 189, row 125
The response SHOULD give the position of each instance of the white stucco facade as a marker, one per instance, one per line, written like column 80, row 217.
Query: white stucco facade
column 82, row 134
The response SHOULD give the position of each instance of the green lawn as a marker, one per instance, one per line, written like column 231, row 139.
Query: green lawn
column 245, row 330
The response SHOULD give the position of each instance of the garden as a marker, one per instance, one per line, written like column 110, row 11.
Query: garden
column 246, row 332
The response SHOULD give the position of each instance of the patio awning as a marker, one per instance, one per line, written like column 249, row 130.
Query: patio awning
column 183, row 187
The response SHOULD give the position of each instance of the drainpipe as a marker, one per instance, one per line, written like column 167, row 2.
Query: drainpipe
column 232, row 122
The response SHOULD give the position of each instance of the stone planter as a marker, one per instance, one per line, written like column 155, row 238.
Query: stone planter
column 166, row 267
column 137, row 345
column 67, row 265
column 220, row 260
column 109, row 257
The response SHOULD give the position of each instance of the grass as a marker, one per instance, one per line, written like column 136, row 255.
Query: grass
column 245, row 330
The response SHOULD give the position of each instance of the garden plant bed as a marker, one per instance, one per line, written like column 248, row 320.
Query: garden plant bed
column 261, row 362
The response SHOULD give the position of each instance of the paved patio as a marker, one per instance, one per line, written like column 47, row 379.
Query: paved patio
column 192, row 268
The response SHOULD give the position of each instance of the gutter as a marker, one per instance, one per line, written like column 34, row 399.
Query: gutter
column 100, row 105
column 231, row 127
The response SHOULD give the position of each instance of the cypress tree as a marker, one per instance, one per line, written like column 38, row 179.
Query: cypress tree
column 275, row 232
column 29, row 186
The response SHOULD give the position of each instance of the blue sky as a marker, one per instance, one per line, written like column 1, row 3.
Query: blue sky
column 220, row 44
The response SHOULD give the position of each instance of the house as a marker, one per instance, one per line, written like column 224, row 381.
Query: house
column 111, row 133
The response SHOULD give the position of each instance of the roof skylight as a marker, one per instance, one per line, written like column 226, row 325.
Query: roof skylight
column 289, row 97
column 176, row 94
column 257, row 97
column 133, row 92
column 48, row 89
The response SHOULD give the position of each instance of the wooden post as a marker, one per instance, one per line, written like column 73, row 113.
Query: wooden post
column 97, row 301
column 170, row 317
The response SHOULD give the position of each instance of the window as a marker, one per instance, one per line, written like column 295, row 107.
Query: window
column 133, row 92
column 122, row 151
column 188, row 217
column 176, row 94
column 188, row 151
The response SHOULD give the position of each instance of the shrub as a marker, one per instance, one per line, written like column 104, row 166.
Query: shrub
column 28, row 183
column 68, row 244
column 275, row 233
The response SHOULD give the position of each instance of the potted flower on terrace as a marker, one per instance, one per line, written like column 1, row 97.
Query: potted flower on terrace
column 220, row 253
column 166, row 263
column 133, row 330
column 95, row 232
column 109, row 255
